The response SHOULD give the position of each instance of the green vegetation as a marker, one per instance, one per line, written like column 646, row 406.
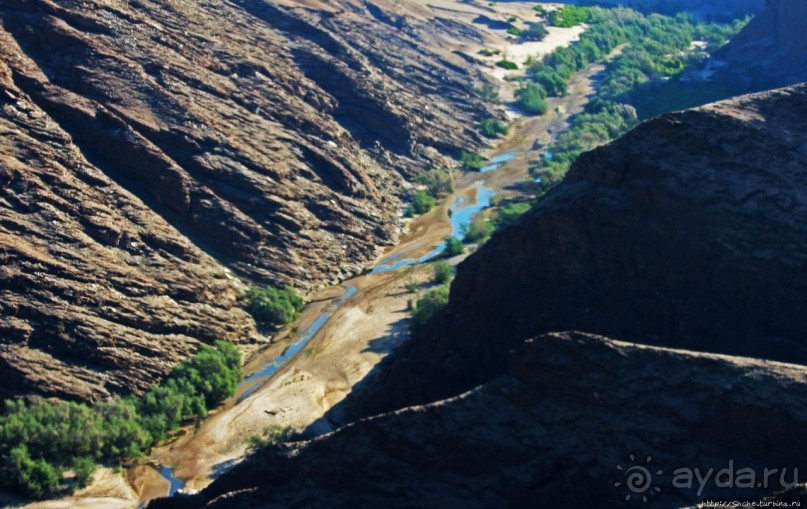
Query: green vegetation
column 443, row 272
column 479, row 230
column 454, row 246
column 411, row 285
column 40, row 440
column 471, row 161
column 568, row 16
column 493, row 128
column 509, row 213
column 489, row 52
column 429, row 305
column 421, row 203
column 534, row 32
column 531, row 99
column 272, row 435
column 273, row 306
column 438, row 182
column 540, row 10
column 658, row 48
column 508, row 64
column 512, row 30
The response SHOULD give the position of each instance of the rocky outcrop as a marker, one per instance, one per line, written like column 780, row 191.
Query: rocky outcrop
column 689, row 232
column 559, row 426
column 773, row 41
column 148, row 148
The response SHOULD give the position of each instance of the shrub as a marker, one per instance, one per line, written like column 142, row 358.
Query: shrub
column 514, row 31
column 429, row 305
column 489, row 52
column 493, row 128
column 423, row 202
column 454, row 246
column 35, row 478
column 84, row 468
column 273, row 306
column 508, row 64
column 569, row 16
column 510, row 213
column 478, row 231
column 438, row 182
column 471, row 161
column 531, row 98
column 443, row 272
column 534, row 32
column 411, row 285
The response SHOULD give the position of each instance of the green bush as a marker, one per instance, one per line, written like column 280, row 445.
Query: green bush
column 443, row 272
column 569, row 16
column 493, row 128
column 478, row 231
column 510, row 213
column 534, row 32
column 273, row 306
column 508, row 64
column 454, row 246
column 471, row 161
column 35, row 478
column 489, row 52
column 531, row 98
column 513, row 31
column 429, row 305
column 438, row 182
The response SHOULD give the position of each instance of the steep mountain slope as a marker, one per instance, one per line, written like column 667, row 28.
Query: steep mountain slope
column 150, row 146
column 775, row 42
column 548, row 431
column 690, row 231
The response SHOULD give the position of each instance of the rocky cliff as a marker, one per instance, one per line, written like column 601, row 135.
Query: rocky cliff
column 774, row 41
column 149, row 147
column 560, row 426
column 690, row 232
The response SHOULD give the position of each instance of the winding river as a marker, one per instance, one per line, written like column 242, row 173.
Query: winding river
column 460, row 214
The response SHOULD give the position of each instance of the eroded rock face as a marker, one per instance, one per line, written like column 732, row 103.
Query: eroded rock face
column 774, row 41
column 549, row 430
column 690, row 232
column 148, row 145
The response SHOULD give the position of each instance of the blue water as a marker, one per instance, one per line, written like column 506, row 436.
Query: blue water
column 295, row 348
column 176, row 484
column 549, row 155
column 460, row 216
column 497, row 162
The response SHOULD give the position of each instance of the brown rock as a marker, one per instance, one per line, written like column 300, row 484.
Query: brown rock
column 549, row 431
column 690, row 232
column 147, row 145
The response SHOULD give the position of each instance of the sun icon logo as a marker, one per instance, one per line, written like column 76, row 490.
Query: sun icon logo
column 638, row 479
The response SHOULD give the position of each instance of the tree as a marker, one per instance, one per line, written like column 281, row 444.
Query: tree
column 493, row 128
column 454, row 246
column 471, row 161
column 531, row 98
column 273, row 306
column 429, row 305
column 438, row 182
column 443, row 272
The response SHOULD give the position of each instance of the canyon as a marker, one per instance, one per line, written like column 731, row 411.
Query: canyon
column 159, row 157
